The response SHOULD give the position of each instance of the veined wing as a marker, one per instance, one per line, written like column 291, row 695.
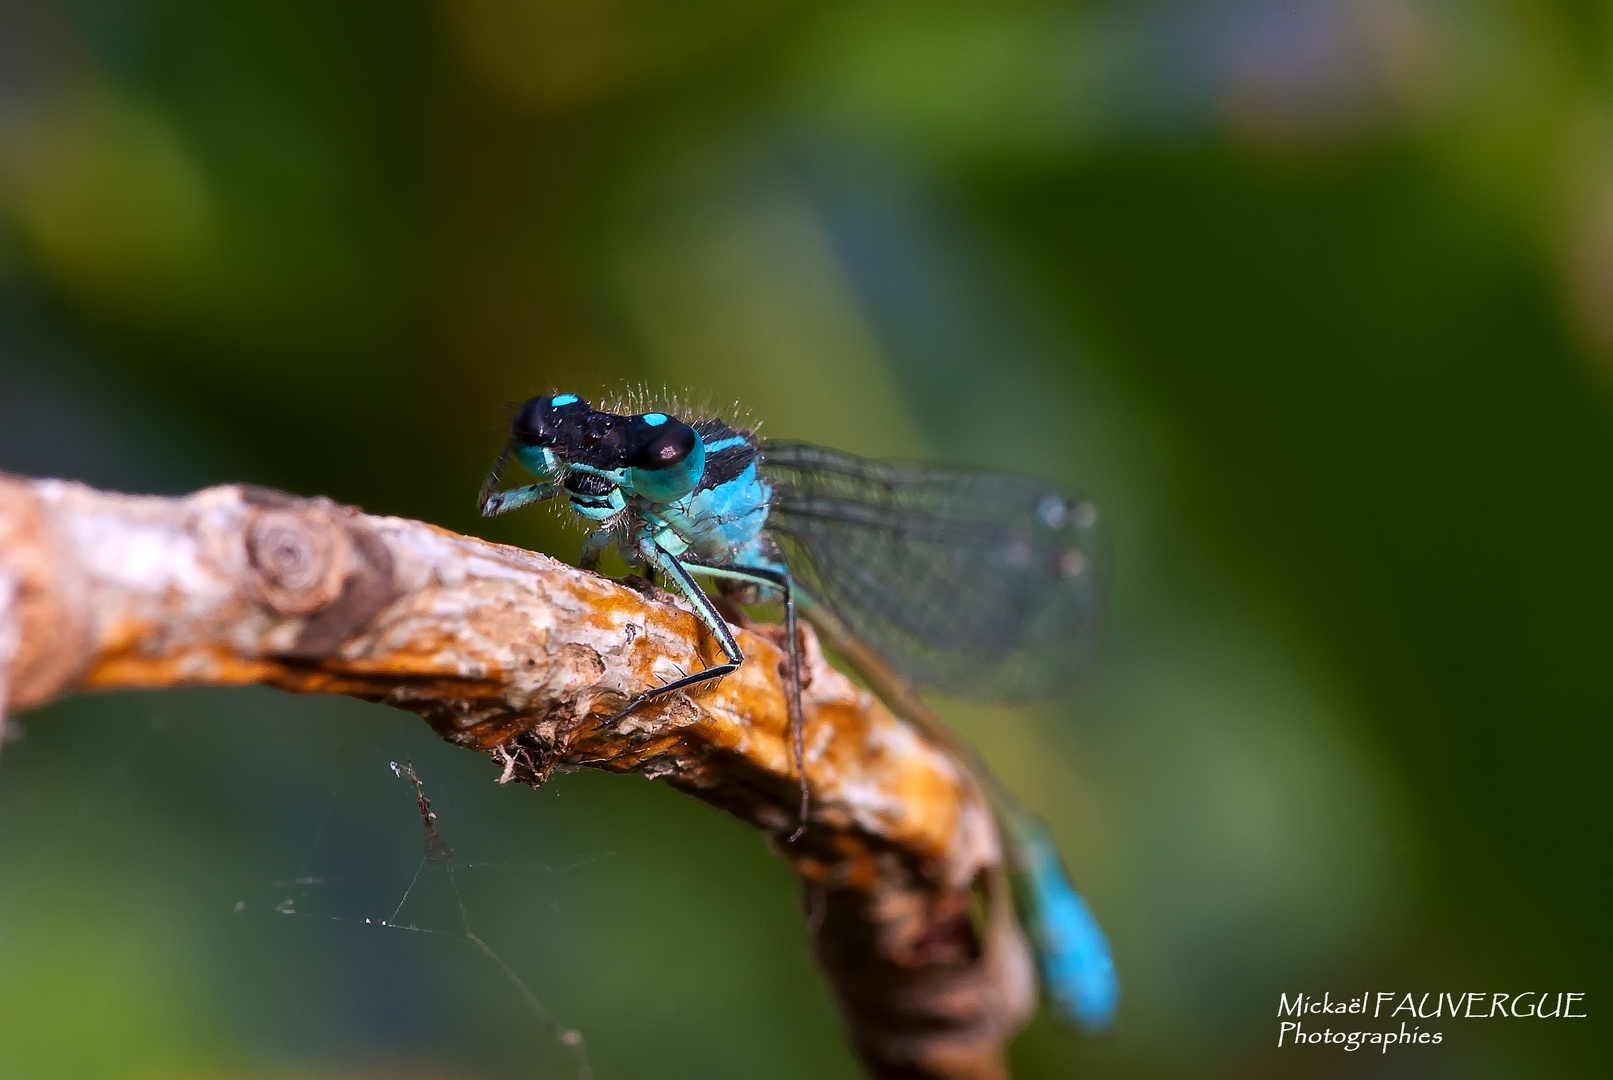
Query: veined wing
column 984, row 584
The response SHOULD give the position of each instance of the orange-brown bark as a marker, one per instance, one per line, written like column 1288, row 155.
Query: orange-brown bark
column 523, row 658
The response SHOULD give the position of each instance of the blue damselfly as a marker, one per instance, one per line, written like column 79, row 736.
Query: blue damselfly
column 984, row 584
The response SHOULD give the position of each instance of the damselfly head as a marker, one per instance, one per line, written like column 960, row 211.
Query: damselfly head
column 650, row 454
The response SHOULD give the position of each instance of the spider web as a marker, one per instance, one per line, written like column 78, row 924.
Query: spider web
column 249, row 873
column 300, row 896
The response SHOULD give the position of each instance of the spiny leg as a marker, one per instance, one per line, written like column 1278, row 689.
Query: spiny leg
column 504, row 501
column 792, row 650
column 490, row 501
column 494, row 475
column 592, row 548
column 675, row 573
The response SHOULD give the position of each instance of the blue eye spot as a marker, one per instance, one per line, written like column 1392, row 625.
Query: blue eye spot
column 562, row 399
column 654, row 419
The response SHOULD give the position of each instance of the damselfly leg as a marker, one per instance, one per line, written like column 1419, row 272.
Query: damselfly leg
column 713, row 620
column 503, row 502
column 678, row 572
column 593, row 548
column 492, row 502
column 792, row 650
column 494, row 476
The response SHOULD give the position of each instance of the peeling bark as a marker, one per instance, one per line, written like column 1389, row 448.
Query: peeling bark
column 523, row 658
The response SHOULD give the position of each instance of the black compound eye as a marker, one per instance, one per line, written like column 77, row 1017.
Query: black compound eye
column 538, row 421
column 671, row 443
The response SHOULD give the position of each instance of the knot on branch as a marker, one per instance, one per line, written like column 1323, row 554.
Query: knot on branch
column 301, row 559
column 312, row 558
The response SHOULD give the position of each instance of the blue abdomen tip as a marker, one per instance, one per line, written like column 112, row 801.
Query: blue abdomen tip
column 1071, row 950
column 1076, row 963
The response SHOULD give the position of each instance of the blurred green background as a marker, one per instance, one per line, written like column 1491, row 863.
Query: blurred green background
column 1315, row 297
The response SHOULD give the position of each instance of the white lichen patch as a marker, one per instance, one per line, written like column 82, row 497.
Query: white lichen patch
column 259, row 635
column 195, row 666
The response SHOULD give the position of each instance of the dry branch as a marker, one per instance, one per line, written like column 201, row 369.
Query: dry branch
column 521, row 657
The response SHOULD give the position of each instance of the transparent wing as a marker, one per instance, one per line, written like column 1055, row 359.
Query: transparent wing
column 983, row 584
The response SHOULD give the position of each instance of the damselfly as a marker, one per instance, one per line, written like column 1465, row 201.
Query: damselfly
column 984, row 584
